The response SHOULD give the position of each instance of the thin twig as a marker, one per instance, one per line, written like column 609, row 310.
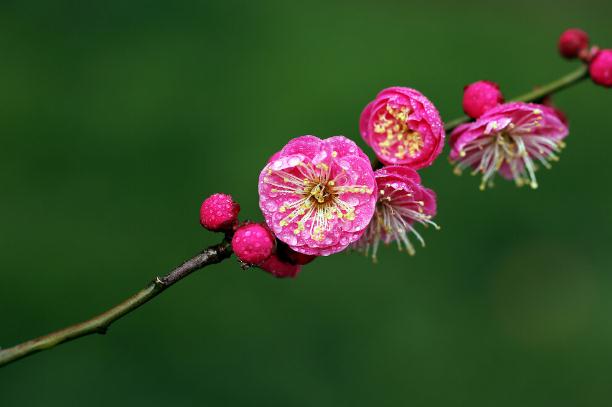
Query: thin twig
column 99, row 324
column 537, row 94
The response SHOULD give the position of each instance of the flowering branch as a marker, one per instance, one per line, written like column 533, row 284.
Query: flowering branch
column 100, row 324
column 320, row 197
column 537, row 94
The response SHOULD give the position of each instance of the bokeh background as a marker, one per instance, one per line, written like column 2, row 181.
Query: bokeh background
column 118, row 117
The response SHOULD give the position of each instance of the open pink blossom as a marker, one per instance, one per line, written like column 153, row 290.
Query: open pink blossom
column 510, row 139
column 403, row 127
column 318, row 196
column 402, row 201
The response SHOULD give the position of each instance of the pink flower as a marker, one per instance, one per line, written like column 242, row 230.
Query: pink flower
column 402, row 201
column 510, row 139
column 403, row 127
column 317, row 195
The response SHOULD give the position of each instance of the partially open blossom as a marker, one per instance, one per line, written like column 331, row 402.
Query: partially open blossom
column 402, row 201
column 478, row 97
column 219, row 212
column 279, row 267
column 600, row 68
column 253, row 243
column 317, row 195
column 511, row 139
column 403, row 127
column 572, row 41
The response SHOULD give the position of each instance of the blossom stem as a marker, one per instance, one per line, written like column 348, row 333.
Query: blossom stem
column 100, row 323
column 555, row 86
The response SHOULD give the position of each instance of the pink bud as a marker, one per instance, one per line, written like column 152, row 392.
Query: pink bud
column 219, row 212
column 601, row 68
column 288, row 255
column 572, row 41
column 479, row 97
column 253, row 243
column 280, row 268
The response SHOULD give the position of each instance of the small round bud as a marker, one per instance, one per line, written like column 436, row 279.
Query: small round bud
column 479, row 97
column 253, row 243
column 601, row 68
column 572, row 41
column 300, row 258
column 279, row 268
column 288, row 255
column 219, row 212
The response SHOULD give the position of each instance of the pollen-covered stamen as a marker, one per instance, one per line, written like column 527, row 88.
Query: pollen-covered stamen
column 516, row 146
column 318, row 197
column 396, row 211
column 400, row 140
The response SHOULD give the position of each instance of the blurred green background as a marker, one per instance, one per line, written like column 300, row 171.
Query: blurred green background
column 118, row 117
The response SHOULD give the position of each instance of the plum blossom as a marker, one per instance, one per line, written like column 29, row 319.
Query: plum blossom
column 318, row 196
column 403, row 127
column 402, row 201
column 510, row 139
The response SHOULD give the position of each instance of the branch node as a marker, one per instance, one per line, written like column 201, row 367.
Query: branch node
column 159, row 282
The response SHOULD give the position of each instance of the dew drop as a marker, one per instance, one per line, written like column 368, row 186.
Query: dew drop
column 353, row 201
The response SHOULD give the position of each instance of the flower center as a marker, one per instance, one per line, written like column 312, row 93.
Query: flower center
column 396, row 211
column 399, row 138
column 318, row 192
column 516, row 149
column 313, row 197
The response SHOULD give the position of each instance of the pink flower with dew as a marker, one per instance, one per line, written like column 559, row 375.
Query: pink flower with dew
column 511, row 139
column 403, row 127
column 318, row 196
column 402, row 201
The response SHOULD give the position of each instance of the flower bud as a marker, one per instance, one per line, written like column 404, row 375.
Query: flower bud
column 279, row 268
column 288, row 255
column 481, row 96
column 572, row 42
column 600, row 68
column 219, row 212
column 253, row 243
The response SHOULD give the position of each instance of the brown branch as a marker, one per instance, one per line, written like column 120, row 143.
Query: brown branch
column 99, row 324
